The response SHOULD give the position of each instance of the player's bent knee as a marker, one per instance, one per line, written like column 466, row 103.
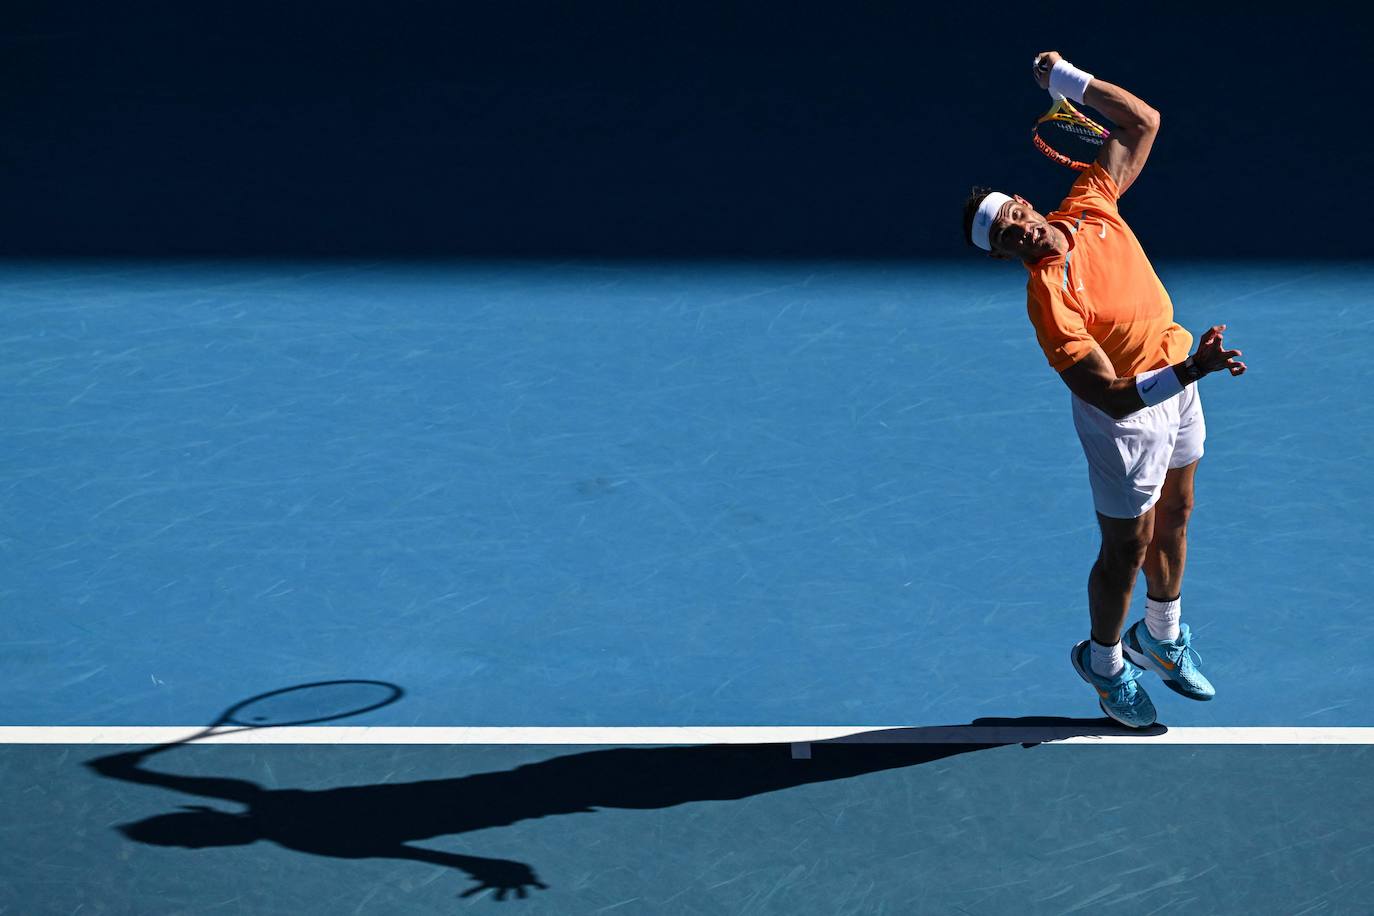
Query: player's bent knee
column 1173, row 513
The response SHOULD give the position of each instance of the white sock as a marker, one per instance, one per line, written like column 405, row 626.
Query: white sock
column 1106, row 660
column 1161, row 617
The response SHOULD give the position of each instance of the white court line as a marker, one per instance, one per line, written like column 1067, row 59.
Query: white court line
column 852, row 734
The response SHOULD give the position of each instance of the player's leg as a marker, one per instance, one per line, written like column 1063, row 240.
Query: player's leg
column 1168, row 551
column 1162, row 643
column 1169, row 548
column 1127, row 464
column 1100, row 660
column 1125, row 546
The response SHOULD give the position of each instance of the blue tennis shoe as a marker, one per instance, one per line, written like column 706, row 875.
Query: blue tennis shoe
column 1120, row 697
column 1176, row 662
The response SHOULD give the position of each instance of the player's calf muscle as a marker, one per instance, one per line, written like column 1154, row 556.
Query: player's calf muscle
column 1124, row 557
column 1125, row 553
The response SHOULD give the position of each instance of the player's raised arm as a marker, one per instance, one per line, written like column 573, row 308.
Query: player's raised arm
column 128, row 767
column 1125, row 151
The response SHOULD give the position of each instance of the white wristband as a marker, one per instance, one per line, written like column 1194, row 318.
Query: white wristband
column 1068, row 81
column 1158, row 385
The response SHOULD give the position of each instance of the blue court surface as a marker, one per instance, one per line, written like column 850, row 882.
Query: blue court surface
column 719, row 500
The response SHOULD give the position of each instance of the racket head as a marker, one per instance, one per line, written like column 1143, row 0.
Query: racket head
column 1067, row 136
column 310, row 704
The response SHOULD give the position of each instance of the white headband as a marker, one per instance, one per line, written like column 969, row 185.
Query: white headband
column 982, row 220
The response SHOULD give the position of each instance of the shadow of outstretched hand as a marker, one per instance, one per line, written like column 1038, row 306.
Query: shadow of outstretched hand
column 502, row 876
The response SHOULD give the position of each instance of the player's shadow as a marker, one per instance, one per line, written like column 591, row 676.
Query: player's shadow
column 384, row 821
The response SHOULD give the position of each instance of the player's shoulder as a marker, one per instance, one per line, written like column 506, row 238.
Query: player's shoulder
column 1095, row 190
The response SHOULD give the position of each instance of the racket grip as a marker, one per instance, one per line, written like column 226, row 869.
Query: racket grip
column 1041, row 64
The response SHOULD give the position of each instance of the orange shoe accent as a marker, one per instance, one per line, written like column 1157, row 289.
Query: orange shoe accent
column 1168, row 666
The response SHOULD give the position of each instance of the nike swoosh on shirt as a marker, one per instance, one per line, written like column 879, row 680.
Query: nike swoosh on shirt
column 1103, row 233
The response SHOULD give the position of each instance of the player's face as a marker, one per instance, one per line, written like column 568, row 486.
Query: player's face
column 1020, row 232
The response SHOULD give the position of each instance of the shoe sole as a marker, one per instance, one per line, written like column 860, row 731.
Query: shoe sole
column 1073, row 657
column 1143, row 660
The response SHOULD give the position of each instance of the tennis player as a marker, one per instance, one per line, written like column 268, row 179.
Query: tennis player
column 1106, row 325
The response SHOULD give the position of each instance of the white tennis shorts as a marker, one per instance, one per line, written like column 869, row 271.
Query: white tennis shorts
column 1127, row 459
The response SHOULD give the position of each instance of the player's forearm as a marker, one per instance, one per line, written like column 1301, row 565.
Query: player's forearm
column 126, row 767
column 1127, row 398
column 1119, row 399
column 1094, row 380
column 1128, row 112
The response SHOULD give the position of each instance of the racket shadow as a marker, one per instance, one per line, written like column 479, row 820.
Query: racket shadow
column 384, row 820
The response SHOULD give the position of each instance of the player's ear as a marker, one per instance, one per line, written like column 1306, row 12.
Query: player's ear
column 1022, row 201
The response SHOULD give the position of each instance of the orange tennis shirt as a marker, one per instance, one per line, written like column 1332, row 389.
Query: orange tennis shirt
column 1103, row 293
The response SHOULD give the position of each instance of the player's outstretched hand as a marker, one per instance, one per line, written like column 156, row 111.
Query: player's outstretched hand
column 1044, row 63
column 1211, row 356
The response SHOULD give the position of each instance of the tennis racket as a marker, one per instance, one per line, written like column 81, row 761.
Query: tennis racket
column 1068, row 136
column 1064, row 133
column 304, row 704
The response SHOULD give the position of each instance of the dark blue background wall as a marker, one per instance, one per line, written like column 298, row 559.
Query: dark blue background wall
column 653, row 129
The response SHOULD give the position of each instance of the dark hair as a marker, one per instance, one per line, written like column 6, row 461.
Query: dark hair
column 975, row 198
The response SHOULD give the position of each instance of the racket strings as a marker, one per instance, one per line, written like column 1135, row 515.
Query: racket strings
column 319, row 702
column 1082, row 132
